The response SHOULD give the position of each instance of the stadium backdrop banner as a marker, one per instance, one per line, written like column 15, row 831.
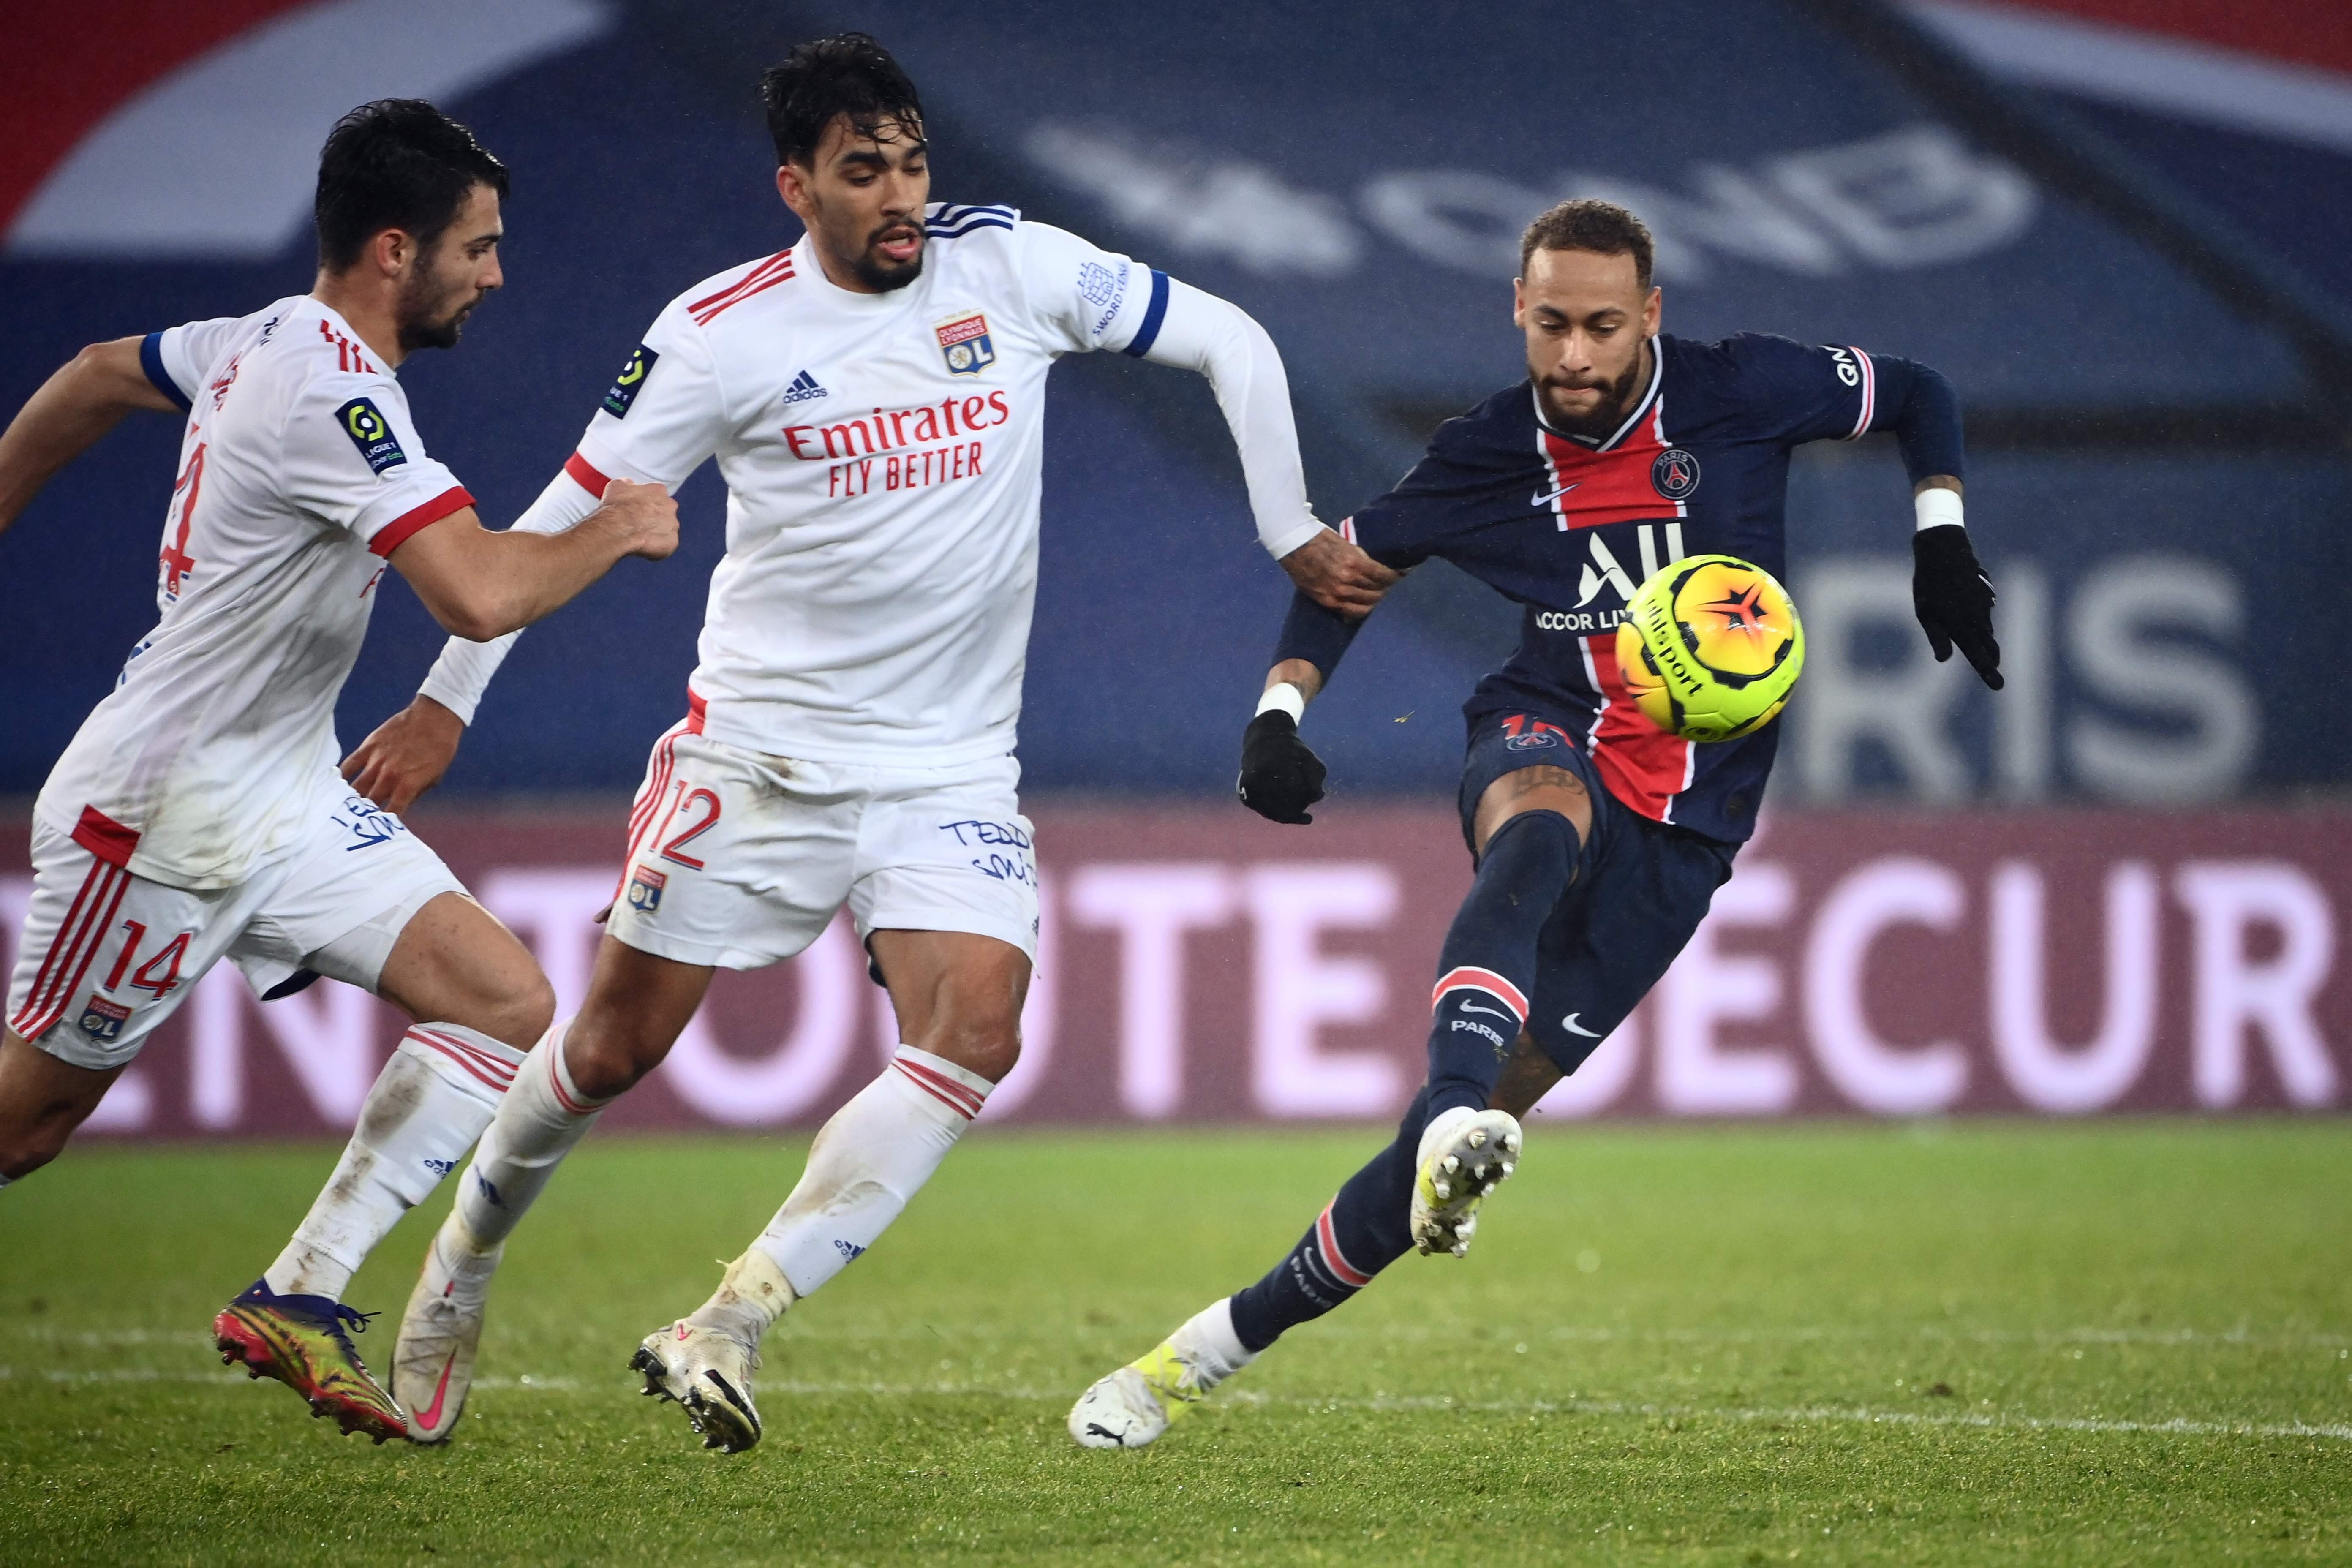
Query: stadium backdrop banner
column 1199, row 965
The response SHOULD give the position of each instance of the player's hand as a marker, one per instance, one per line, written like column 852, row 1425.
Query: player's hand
column 406, row 755
column 1339, row 576
column 646, row 514
column 1280, row 776
column 1953, row 598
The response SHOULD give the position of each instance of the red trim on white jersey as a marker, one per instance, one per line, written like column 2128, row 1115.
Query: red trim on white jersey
column 79, row 936
column 1470, row 977
column 777, row 268
column 105, row 837
column 647, row 804
column 408, row 524
column 584, row 474
column 1869, row 396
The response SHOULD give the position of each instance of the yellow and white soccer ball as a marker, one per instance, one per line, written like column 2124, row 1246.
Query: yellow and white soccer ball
column 1710, row 647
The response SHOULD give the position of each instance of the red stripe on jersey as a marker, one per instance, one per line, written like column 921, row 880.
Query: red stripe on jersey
column 61, row 946
column 1869, row 396
column 776, row 269
column 105, row 837
column 1591, row 487
column 79, row 952
column 401, row 529
column 1642, row 765
column 584, row 474
column 696, row 712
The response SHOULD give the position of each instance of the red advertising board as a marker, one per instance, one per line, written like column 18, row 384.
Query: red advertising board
column 1198, row 964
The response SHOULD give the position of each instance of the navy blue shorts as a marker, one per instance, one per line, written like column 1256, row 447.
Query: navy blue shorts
column 1641, row 890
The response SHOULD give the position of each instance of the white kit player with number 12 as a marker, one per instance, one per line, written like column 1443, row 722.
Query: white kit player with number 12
column 875, row 395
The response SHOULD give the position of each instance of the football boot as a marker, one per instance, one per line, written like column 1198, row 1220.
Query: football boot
column 1464, row 1154
column 302, row 1342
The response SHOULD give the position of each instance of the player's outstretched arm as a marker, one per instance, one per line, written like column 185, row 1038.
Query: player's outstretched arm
column 84, row 399
column 1951, row 592
column 481, row 585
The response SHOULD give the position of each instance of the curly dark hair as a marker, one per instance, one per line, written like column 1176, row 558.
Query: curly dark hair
column 848, row 73
column 1602, row 227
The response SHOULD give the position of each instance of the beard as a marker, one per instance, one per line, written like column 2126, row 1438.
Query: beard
column 430, row 317
column 881, row 274
column 1610, row 407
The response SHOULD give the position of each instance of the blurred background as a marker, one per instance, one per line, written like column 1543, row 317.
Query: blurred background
column 2124, row 227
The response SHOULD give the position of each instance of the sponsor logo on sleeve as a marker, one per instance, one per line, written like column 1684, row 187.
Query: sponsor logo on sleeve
column 632, row 379
column 372, row 434
column 964, row 343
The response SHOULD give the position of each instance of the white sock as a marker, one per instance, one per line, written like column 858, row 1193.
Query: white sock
column 1208, row 1341
column 430, row 1102
column 544, row 1114
column 868, row 1162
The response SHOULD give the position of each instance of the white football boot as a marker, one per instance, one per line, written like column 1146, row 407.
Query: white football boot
column 433, row 1362
column 709, row 1373
column 1464, row 1154
column 1141, row 1400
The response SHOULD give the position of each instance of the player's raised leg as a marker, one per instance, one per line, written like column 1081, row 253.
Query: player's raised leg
column 958, row 996
column 1361, row 1231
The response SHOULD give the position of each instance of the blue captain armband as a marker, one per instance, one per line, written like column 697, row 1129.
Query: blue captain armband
column 151, row 360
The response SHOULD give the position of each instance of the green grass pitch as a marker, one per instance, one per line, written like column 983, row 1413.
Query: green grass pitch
column 1979, row 1343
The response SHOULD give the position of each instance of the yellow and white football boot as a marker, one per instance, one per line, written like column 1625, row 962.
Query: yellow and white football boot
column 1464, row 1154
column 709, row 1373
column 433, row 1361
column 1137, row 1403
column 300, row 1341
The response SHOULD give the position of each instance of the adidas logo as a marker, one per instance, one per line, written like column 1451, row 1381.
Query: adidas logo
column 803, row 387
column 850, row 1251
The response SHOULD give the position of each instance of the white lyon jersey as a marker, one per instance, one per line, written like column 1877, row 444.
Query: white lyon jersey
column 882, row 456
column 300, row 472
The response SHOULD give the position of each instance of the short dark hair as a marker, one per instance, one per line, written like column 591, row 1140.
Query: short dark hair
column 398, row 162
column 848, row 73
column 1602, row 227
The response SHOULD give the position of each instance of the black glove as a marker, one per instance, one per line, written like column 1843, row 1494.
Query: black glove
column 1280, row 777
column 1953, row 599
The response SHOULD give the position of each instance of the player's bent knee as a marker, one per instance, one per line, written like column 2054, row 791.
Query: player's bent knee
column 991, row 1048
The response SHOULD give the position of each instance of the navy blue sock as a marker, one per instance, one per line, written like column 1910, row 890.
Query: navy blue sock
column 1487, row 966
column 1359, row 1233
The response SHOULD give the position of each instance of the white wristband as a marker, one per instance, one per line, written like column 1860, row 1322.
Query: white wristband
column 1938, row 507
column 1285, row 697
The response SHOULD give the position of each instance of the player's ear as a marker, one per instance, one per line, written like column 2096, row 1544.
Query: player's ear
column 1519, row 301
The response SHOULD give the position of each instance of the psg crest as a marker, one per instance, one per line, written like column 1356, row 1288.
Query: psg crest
column 1674, row 474
column 963, row 343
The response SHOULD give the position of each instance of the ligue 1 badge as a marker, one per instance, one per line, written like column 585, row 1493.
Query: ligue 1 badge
column 963, row 343
column 1674, row 474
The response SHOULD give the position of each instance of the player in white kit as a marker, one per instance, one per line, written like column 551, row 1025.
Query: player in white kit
column 875, row 396
column 197, row 815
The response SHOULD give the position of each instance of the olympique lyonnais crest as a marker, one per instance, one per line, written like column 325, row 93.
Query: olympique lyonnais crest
column 963, row 341
column 646, row 886
column 1674, row 474
column 102, row 1020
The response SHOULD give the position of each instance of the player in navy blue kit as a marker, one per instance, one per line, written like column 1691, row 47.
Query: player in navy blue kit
column 1599, row 838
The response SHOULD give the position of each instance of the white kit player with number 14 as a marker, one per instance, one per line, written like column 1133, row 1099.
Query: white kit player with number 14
column 875, row 398
column 197, row 815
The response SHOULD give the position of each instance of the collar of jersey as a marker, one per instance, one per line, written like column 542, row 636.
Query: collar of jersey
column 805, row 264
column 1641, row 409
column 335, row 319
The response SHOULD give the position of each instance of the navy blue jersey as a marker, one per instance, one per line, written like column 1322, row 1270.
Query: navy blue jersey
column 1568, row 526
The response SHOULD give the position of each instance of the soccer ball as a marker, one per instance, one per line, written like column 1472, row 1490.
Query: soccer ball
column 1709, row 647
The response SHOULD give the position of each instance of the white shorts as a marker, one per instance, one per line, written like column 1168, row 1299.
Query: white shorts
column 106, row 956
column 738, row 859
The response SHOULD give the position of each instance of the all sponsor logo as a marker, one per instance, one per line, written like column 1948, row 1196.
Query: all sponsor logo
column 1674, row 474
column 102, row 1020
column 965, row 344
column 372, row 434
column 630, row 382
column 646, row 886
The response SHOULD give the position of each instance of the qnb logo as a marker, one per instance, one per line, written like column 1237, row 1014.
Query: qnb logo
column 1847, row 371
column 1654, row 544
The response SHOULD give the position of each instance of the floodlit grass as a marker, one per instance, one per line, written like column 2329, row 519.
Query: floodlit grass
column 1987, row 1343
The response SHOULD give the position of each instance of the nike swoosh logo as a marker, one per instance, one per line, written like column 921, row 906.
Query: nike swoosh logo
column 1569, row 1024
column 1490, row 1012
column 430, row 1417
column 1548, row 500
